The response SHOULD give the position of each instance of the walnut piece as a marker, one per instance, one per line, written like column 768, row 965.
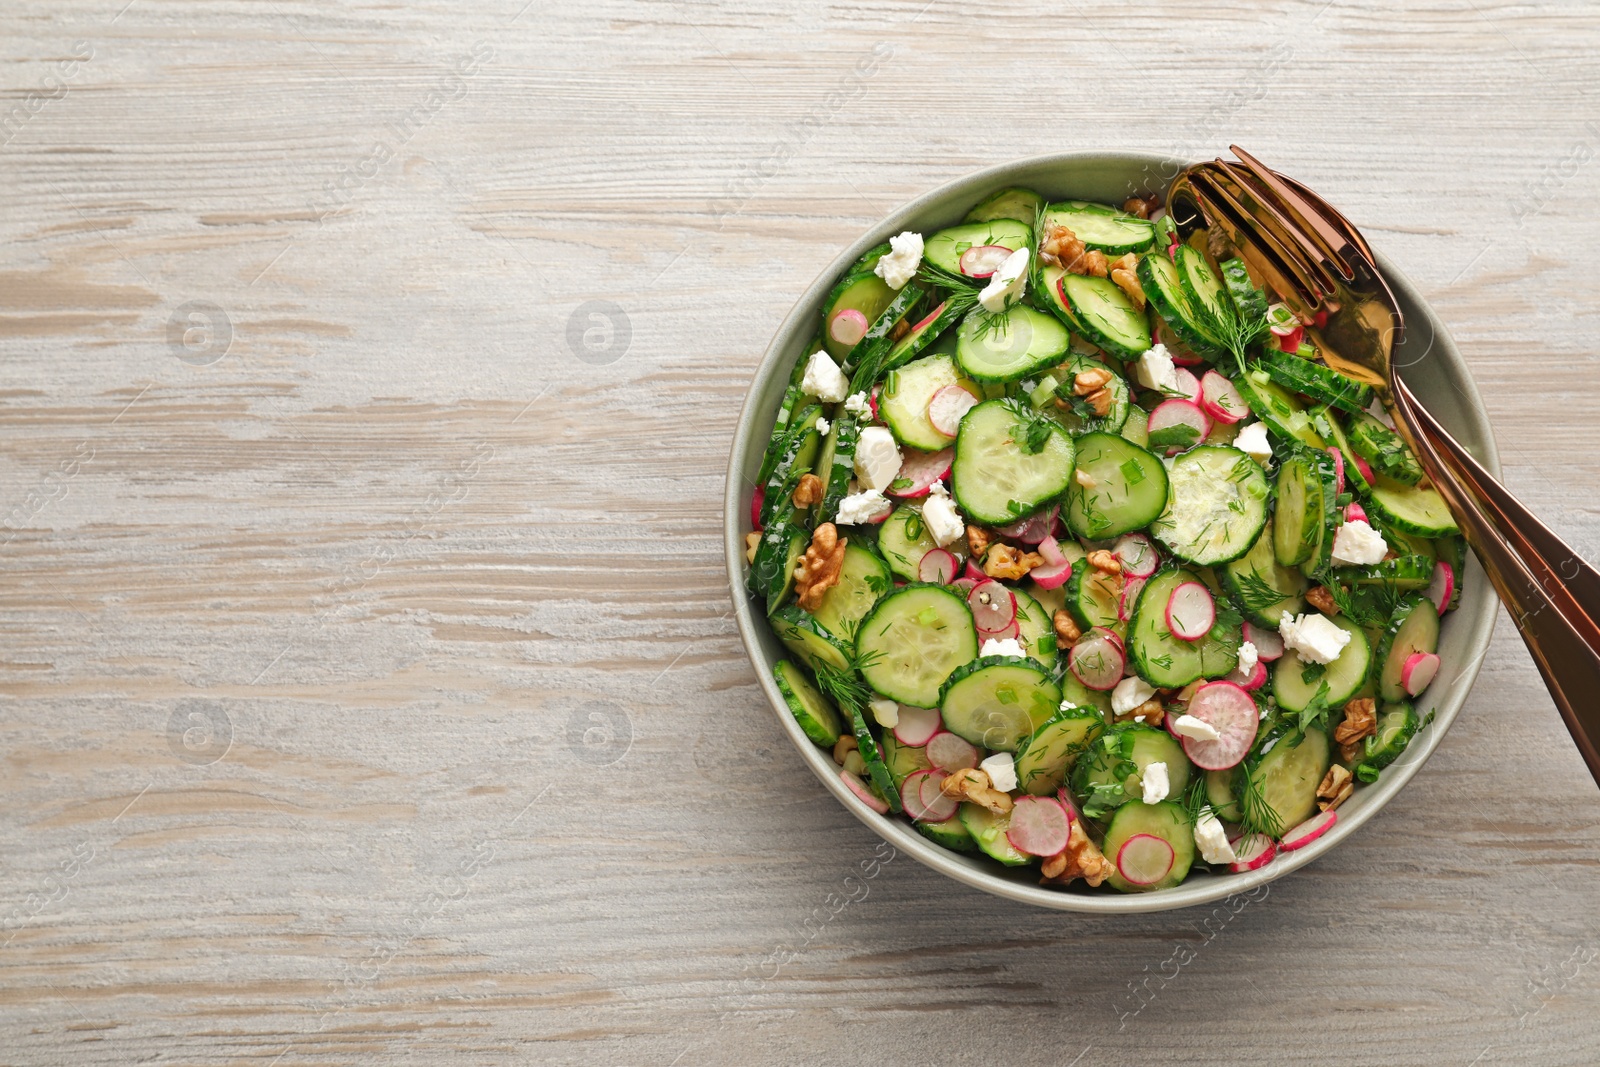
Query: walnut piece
column 819, row 568
column 1088, row 381
column 1128, row 282
column 1336, row 787
column 1063, row 246
column 752, row 545
column 1093, row 263
column 1142, row 206
column 1080, row 859
column 808, row 492
column 901, row 328
column 1003, row 561
column 1066, row 628
column 1151, row 710
column 1102, row 560
column 973, row 785
column 978, row 540
column 843, row 747
column 1319, row 597
column 1099, row 401
column 1360, row 720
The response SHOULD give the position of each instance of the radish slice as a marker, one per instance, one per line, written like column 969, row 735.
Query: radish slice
column 1308, row 831
column 993, row 607
column 1064, row 795
column 1014, row 630
column 1050, row 549
column 1443, row 587
column 1364, row 467
column 1039, row 826
column 1338, row 470
column 1253, row 681
column 756, row 501
column 1188, row 385
column 938, row 565
column 1138, row 555
column 1097, row 660
column 917, row 726
column 1289, row 342
column 1051, row 575
column 1419, row 669
column 868, row 797
column 1355, row 513
column 974, row 573
column 935, row 313
column 1190, row 611
column 1171, row 413
column 1252, row 851
column 981, row 261
column 1269, row 643
column 872, row 402
column 951, row 752
column 1144, row 859
column 848, row 326
column 921, row 797
column 1220, row 399
column 918, row 472
column 1031, row 530
column 947, row 406
column 963, row 585
column 1227, row 709
column 1130, row 597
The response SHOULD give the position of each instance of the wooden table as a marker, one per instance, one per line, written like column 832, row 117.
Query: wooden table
column 369, row 686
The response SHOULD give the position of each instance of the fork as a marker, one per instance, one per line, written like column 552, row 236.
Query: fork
column 1322, row 267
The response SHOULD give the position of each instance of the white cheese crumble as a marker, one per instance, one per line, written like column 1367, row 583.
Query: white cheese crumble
column 1157, row 371
column 1156, row 783
column 877, row 458
column 1212, row 839
column 1252, row 441
column 1005, row 285
column 858, row 405
column 862, row 507
column 1199, row 729
column 823, row 378
column 940, row 516
column 823, row 425
column 1314, row 637
column 887, row 712
column 1249, row 656
column 1009, row 646
column 1129, row 694
column 1002, row 771
column 905, row 256
column 1358, row 544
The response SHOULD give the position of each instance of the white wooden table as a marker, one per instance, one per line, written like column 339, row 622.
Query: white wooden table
column 368, row 688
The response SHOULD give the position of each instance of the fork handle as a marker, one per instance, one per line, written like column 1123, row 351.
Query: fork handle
column 1552, row 594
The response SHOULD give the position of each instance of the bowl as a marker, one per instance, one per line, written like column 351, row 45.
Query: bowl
column 1428, row 361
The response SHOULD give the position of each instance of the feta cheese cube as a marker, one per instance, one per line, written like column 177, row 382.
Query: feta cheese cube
column 1313, row 637
column 900, row 265
column 1357, row 544
column 1249, row 656
column 1002, row 771
column 1199, row 729
column 1010, row 646
column 1156, row 370
column 1156, row 783
column 858, row 405
column 862, row 507
column 887, row 712
column 1129, row 694
column 943, row 521
column 1212, row 839
column 877, row 458
column 823, row 379
column 1252, row 441
column 823, row 425
column 1005, row 285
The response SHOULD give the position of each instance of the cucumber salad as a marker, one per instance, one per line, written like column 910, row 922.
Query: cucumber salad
column 1084, row 559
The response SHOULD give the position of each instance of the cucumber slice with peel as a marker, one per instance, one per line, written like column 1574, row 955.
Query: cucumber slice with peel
column 1045, row 759
column 903, row 400
column 835, row 465
column 1216, row 506
column 1285, row 776
column 1167, row 821
column 1249, row 302
column 1413, row 508
column 1093, row 597
column 945, row 248
column 1080, row 418
column 1010, row 346
column 902, row 760
column 1413, row 628
column 1297, row 531
column 1104, row 315
column 913, row 640
column 1120, row 756
column 814, row 712
column 1278, row 408
column 997, row 702
column 1164, row 291
column 810, row 642
column 1161, row 659
column 1261, row 587
column 868, row 356
column 1220, row 795
column 1316, row 381
column 1034, row 629
column 1202, row 286
column 863, row 578
column 1397, row 725
column 1384, row 449
column 952, row 834
column 993, row 479
column 1101, row 227
column 903, row 540
column 988, row 832
column 860, row 290
column 1126, row 490
column 1295, row 683
column 1021, row 205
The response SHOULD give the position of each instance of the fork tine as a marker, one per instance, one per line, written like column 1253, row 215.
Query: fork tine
column 1333, row 215
column 1313, row 278
column 1304, row 213
column 1261, row 207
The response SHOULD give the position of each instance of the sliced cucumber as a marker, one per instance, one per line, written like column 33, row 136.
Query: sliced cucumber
column 859, row 290
column 988, row 831
column 1261, row 587
column 952, row 834
column 1165, row 661
column 1166, row 820
column 1121, row 755
column 814, row 712
column 901, row 760
column 1076, row 693
column 803, row 635
column 1278, row 408
column 903, row 540
column 801, row 444
column 1202, row 286
column 912, row 640
column 1137, row 428
column 1045, row 759
column 1413, row 628
column 1164, row 291
column 1405, row 573
column 835, row 465
column 999, row 701
column 1220, row 795
column 1295, row 683
column 1316, row 381
column 1286, row 776
column 920, row 336
column 1092, row 598
column 1384, row 450
column 1249, row 302
column 1104, row 315
column 903, row 400
column 863, row 578
column 1081, row 418
column 993, row 480
column 1020, row 204
column 1102, row 227
column 1034, row 629
column 1397, row 725
column 944, row 248
column 1327, row 425
column 1302, row 507
column 1129, row 488
column 868, row 356
column 776, row 560
column 1217, row 505
column 877, row 774
column 793, row 397
column 1010, row 346
column 1413, row 508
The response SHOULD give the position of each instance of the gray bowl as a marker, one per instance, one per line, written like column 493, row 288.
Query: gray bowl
column 1431, row 366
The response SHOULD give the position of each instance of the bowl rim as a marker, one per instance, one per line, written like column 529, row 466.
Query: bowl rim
column 899, row 834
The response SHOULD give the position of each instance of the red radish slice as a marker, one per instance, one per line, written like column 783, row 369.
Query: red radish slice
column 1227, row 709
column 1290, row 342
column 1338, row 470
column 1443, row 587
column 1220, row 399
column 980, row 261
column 1364, row 467
column 1114, row 637
column 1050, row 549
column 1138, row 555
column 951, row 752
column 935, row 313
column 1014, row 630
column 756, row 501
column 1039, row 826
column 1418, row 671
column 993, row 607
column 1130, row 597
column 1031, row 530
column 1308, row 831
column 974, row 572
column 947, row 406
column 1253, row 681
column 848, row 326
column 868, row 797
column 872, row 402
column 1188, row 385
column 963, row 585
column 917, row 726
column 918, row 472
column 1171, row 413
column 1064, row 795
column 1051, row 575
column 1191, row 610
column 921, row 797
column 1252, row 852
column 1144, row 859
column 1097, row 660
column 1269, row 643
column 937, row 565
column 1355, row 513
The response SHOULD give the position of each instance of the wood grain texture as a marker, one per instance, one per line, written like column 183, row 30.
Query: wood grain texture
column 370, row 692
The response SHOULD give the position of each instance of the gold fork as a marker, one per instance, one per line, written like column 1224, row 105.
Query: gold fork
column 1320, row 265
